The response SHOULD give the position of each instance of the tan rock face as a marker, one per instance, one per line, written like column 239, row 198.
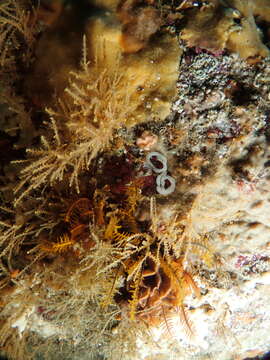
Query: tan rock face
column 228, row 25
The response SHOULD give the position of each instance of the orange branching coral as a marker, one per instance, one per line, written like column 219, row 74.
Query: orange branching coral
column 114, row 231
column 156, row 282
column 78, row 217
column 63, row 244
column 77, row 220
column 122, row 223
column 77, row 211
column 155, row 288
column 162, row 286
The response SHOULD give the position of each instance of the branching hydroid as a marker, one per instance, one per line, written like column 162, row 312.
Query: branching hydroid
column 15, row 29
column 95, row 107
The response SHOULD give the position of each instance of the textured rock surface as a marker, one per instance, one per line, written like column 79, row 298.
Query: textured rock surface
column 231, row 319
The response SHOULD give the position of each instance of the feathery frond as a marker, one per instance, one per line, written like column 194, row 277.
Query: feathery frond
column 16, row 28
column 96, row 105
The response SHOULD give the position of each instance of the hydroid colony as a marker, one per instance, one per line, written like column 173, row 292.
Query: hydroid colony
column 93, row 254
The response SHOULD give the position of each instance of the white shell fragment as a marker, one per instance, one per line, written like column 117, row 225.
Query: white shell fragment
column 155, row 157
column 165, row 184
